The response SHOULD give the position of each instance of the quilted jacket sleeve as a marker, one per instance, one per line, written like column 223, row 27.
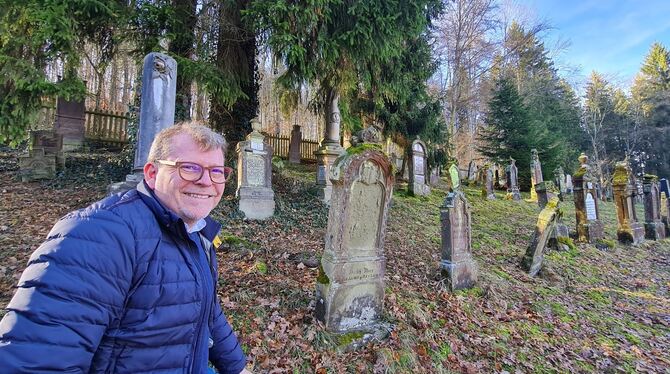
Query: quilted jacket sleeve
column 73, row 288
column 226, row 354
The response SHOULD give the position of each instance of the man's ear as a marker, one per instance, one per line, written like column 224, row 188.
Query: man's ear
column 150, row 172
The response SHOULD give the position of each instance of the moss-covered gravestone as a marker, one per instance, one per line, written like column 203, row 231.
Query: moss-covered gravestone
column 457, row 265
column 589, row 226
column 653, row 226
column 535, row 174
column 513, row 181
column 487, row 191
column 629, row 230
column 254, row 175
column 350, row 286
column 547, row 221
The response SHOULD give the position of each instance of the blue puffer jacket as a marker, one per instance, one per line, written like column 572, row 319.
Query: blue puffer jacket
column 119, row 287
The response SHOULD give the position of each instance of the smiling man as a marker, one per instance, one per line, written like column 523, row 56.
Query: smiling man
column 128, row 284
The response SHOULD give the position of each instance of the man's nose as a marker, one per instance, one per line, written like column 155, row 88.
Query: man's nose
column 205, row 178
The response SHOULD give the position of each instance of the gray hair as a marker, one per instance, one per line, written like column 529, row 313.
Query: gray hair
column 205, row 137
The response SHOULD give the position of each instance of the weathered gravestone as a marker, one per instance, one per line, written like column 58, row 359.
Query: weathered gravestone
column 254, row 175
column 294, row 156
column 159, row 89
column 535, row 175
column 44, row 158
column 513, row 181
column 542, row 194
column 350, row 286
column 434, row 176
column 589, row 226
column 454, row 177
column 418, row 169
column 70, row 121
column 559, row 179
column 472, row 171
column 665, row 205
column 457, row 265
column 329, row 148
column 653, row 225
column 629, row 230
column 568, row 183
column 488, row 184
column 544, row 230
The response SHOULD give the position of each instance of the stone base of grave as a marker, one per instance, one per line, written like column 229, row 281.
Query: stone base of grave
column 326, row 156
column 36, row 165
column 654, row 230
column 355, row 302
column 634, row 236
column 560, row 231
column 459, row 275
column 73, row 144
column 418, row 189
column 257, row 203
column 353, row 340
column 590, row 232
column 131, row 182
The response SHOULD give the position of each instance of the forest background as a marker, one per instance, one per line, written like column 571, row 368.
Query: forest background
column 474, row 79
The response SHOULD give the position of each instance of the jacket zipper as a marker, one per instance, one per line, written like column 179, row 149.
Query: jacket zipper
column 202, row 313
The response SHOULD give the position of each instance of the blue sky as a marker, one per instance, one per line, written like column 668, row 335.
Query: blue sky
column 609, row 36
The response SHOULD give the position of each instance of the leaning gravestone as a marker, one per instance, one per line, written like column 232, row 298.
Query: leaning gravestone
column 457, row 265
column 629, row 230
column 70, row 120
column 254, row 175
column 418, row 169
column 157, row 106
column 513, row 181
column 535, row 175
column 654, row 229
column 294, row 145
column 350, row 286
column 589, row 226
column 544, row 229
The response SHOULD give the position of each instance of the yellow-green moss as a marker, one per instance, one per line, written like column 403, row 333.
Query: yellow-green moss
column 580, row 172
column 348, row 338
column 567, row 241
column 362, row 148
column 322, row 277
column 608, row 242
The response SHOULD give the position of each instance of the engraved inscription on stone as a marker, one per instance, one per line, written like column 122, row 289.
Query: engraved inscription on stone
column 418, row 165
column 360, row 271
column 590, row 207
column 420, row 179
column 321, row 173
column 417, row 147
column 255, row 170
column 363, row 222
column 256, row 145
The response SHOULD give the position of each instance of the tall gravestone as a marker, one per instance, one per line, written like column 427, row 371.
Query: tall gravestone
column 665, row 204
column 70, row 123
column 535, row 174
column 254, row 175
column 568, row 184
column 472, row 170
column 350, row 286
column 329, row 148
column 454, row 177
column 418, row 169
column 544, row 230
column 487, row 191
column 294, row 156
column 457, row 265
column 513, row 181
column 654, row 229
column 589, row 226
column 629, row 230
column 159, row 89
column 559, row 177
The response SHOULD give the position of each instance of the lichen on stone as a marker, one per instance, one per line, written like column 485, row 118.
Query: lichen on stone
column 322, row 278
column 362, row 148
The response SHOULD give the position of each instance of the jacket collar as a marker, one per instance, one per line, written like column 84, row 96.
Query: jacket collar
column 168, row 219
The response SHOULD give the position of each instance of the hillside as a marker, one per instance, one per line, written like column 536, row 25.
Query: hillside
column 604, row 309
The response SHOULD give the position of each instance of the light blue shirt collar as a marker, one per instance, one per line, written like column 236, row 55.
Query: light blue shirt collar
column 196, row 227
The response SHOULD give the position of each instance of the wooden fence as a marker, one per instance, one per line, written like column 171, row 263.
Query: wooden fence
column 280, row 144
column 106, row 128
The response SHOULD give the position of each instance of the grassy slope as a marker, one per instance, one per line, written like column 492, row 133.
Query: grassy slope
column 590, row 310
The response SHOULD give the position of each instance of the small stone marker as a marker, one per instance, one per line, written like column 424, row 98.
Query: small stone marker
column 629, row 230
column 457, row 265
column 589, row 226
column 254, row 175
column 472, row 170
column 654, row 229
column 665, row 205
column 454, row 177
column 513, row 181
column 70, row 120
column 294, row 156
column 350, row 286
column 44, row 158
column 418, row 169
column 535, row 174
column 559, row 177
column 159, row 90
column 546, row 222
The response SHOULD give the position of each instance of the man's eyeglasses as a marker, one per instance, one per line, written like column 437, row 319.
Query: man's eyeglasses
column 191, row 172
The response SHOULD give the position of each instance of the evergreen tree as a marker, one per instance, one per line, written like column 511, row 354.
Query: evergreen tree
column 508, row 131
